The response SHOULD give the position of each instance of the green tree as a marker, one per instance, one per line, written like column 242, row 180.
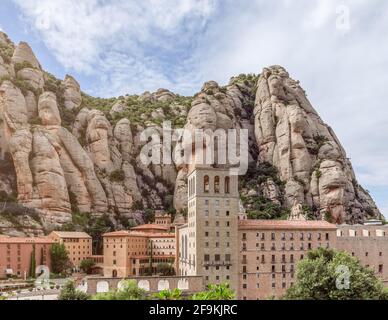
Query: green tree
column 87, row 265
column 60, row 261
column 129, row 291
column 215, row 292
column 69, row 292
column 165, row 269
column 322, row 276
column 175, row 294
column 32, row 263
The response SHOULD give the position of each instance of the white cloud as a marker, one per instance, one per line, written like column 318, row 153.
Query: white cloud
column 91, row 36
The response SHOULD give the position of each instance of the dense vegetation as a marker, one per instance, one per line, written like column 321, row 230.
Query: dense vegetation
column 130, row 291
column 257, row 205
column 335, row 275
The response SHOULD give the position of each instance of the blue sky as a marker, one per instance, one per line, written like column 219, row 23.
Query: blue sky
column 337, row 49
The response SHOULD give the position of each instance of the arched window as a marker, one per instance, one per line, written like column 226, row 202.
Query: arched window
column 227, row 185
column 217, row 184
column 206, row 184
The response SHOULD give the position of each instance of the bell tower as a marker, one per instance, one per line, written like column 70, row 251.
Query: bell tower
column 211, row 246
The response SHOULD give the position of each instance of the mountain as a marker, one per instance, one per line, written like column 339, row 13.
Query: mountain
column 66, row 157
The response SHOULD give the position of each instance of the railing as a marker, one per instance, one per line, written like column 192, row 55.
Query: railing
column 216, row 263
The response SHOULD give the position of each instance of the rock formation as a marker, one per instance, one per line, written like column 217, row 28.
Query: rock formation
column 63, row 153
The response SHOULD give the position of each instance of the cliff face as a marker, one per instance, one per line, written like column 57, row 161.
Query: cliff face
column 63, row 152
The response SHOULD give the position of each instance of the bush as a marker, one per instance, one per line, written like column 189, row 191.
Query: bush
column 6, row 52
column 129, row 291
column 117, row 176
column 87, row 265
column 36, row 121
column 215, row 292
column 138, row 205
column 318, row 275
column 259, row 207
column 22, row 65
column 69, row 292
column 165, row 269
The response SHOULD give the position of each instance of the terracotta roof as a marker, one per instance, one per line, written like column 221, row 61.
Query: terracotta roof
column 70, row 234
column 127, row 233
column 121, row 233
column 284, row 224
column 150, row 226
column 43, row 240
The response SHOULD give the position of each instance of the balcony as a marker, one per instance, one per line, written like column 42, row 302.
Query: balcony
column 216, row 263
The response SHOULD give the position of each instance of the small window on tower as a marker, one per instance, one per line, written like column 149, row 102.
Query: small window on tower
column 217, row 184
column 227, row 185
column 206, row 184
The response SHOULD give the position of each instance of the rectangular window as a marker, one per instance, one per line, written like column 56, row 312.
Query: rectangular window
column 207, row 257
column 217, row 257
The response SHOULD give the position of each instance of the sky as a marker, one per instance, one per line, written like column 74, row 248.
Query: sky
column 337, row 49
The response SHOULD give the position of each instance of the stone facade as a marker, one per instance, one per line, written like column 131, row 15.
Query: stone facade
column 134, row 253
column 369, row 243
column 269, row 251
column 208, row 244
column 258, row 258
column 77, row 244
column 15, row 255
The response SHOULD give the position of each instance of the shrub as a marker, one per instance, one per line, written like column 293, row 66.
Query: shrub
column 6, row 52
column 22, row 65
column 87, row 265
column 318, row 275
column 129, row 291
column 259, row 207
column 69, row 292
column 36, row 121
column 117, row 176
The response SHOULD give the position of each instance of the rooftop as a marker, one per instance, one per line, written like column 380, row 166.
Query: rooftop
column 127, row 233
column 70, row 234
column 284, row 224
column 150, row 226
column 43, row 240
